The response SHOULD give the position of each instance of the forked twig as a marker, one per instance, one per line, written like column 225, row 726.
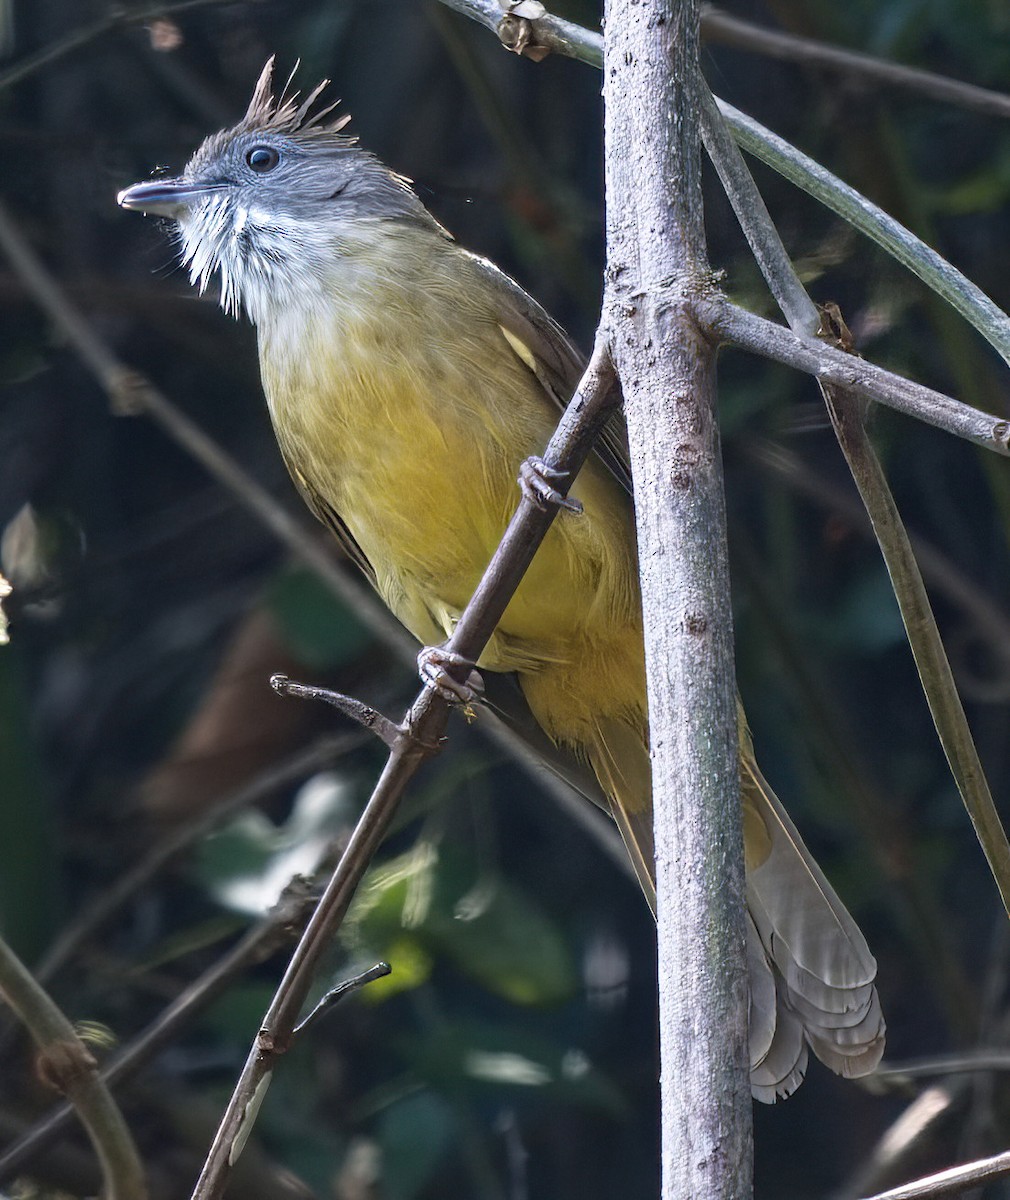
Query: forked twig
column 69, row 1067
column 278, row 928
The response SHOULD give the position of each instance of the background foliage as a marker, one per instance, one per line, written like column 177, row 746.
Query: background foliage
column 511, row 1053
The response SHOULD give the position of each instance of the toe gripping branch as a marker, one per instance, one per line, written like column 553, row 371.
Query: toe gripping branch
column 537, row 480
column 440, row 669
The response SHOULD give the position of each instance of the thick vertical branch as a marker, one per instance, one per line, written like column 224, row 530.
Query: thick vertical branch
column 657, row 267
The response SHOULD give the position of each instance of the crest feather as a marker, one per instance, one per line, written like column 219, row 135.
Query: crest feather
column 286, row 113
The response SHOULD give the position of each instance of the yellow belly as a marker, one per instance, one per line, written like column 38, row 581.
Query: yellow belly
column 420, row 460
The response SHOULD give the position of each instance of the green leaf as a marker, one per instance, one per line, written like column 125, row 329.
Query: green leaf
column 320, row 631
column 248, row 863
column 490, row 931
column 414, row 1134
column 475, row 1056
column 868, row 618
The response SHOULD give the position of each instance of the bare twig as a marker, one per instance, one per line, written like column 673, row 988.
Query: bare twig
column 69, row 1067
column 546, row 33
column 117, row 17
column 846, row 407
column 913, row 253
column 419, row 739
column 952, row 1182
column 847, row 413
column 948, row 714
column 356, row 710
column 755, row 221
column 832, row 366
column 990, row 619
column 722, row 27
column 995, row 1058
column 278, row 928
column 335, row 995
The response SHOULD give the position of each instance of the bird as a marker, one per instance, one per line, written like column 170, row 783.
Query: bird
column 407, row 379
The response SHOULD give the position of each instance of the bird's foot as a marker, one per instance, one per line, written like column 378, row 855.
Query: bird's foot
column 536, row 482
column 434, row 664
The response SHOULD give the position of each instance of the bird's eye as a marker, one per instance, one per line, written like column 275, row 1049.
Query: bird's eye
column 262, row 159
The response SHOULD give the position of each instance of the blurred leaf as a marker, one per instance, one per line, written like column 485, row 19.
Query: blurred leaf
column 983, row 191
column 475, row 1055
column 867, row 617
column 321, row 631
column 414, row 1134
column 247, row 864
column 413, row 967
column 490, row 930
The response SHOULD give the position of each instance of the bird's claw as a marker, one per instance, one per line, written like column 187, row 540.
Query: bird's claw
column 433, row 664
column 536, row 480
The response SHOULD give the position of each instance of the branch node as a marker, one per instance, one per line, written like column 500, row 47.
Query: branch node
column 517, row 33
column 416, row 717
column 63, row 1063
column 370, row 718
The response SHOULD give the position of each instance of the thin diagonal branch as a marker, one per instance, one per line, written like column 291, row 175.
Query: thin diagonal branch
column 945, row 705
column 420, row 738
column 722, row 27
column 759, row 229
column 335, row 995
column 955, row 1181
column 323, row 753
column 987, row 616
column 562, row 37
column 922, row 260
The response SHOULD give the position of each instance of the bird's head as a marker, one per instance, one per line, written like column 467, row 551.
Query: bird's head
column 271, row 203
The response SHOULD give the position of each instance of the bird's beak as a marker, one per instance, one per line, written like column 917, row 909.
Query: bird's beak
column 164, row 197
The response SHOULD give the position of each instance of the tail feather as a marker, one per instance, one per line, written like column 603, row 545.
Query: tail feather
column 823, row 967
column 817, row 937
column 811, row 972
column 763, row 1003
column 624, row 772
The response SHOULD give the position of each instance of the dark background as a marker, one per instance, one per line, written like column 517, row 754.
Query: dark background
column 512, row 1053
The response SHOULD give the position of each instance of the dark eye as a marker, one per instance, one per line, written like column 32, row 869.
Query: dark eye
column 262, row 159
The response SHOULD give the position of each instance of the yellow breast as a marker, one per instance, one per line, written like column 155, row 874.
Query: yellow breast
column 412, row 423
